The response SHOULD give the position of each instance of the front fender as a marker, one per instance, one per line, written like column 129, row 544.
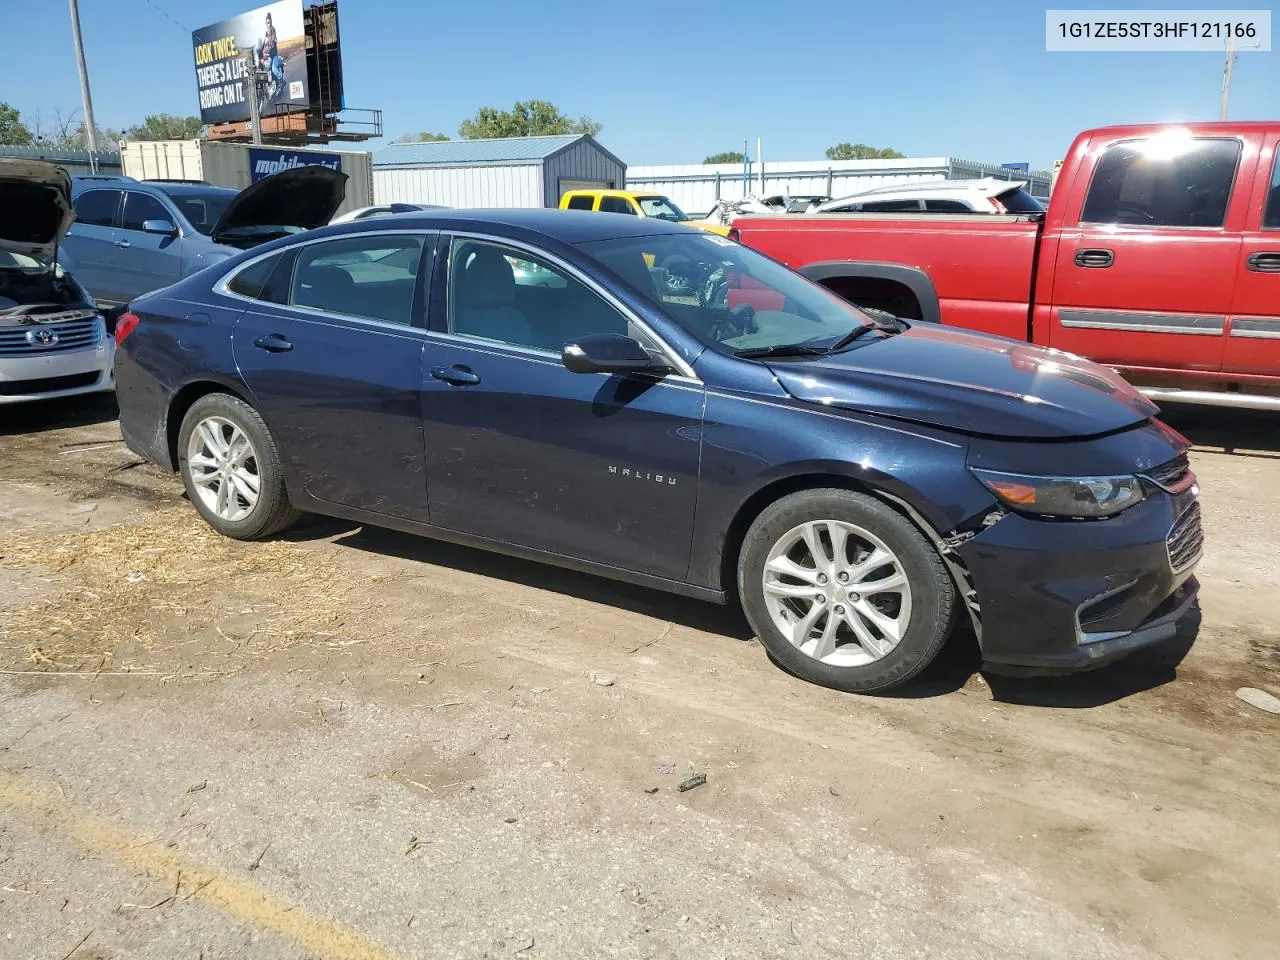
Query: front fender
column 913, row 278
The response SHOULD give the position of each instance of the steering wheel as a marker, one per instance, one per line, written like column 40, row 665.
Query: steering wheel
column 741, row 319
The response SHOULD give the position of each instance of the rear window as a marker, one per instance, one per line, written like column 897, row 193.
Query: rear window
column 1163, row 182
column 616, row 205
column 267, row 279
column 581, row 202
column 891, row 206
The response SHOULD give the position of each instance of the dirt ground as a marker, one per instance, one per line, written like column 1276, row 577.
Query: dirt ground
column 352, row 743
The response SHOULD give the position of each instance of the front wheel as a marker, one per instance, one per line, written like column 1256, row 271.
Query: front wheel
column 844, row 591
column 231, row 469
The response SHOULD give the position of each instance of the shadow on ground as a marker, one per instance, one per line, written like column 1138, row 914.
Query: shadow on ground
column 696, row 614
column 63, row 413
column 1251, row 433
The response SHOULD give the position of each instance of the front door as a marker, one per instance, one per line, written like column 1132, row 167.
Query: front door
column 521, row 451
column 148, row 260
column 1253, row 343
column 1145, row 275
column 331, row 346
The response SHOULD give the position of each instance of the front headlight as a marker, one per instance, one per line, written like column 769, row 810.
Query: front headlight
column 1063, row 496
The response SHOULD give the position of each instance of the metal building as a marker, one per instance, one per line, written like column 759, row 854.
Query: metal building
column 508, row 172
column 78, row 163
column 696, row 187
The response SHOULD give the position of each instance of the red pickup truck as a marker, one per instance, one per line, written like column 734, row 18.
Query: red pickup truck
column 1158, row 255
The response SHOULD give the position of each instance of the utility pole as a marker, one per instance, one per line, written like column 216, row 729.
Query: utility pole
column 90, row 129
column 1226, row 76
column 251, row 78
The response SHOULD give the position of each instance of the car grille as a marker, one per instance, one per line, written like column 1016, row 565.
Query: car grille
column 68, row 335
column 22, row 388
column 1169, row 475
column 1186, row 539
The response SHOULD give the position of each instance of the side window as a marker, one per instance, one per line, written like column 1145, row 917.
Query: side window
column 1271, row 216
column 266, row 280
column 510, row 296
column 1158, row 183
column 947, row 206
column 616, row 205
column 891, row 206
column 367, row 275
column 581, row 202
column 97, row 207
column 139, row 208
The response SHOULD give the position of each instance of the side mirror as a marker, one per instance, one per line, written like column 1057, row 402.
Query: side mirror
column 607, row 353
column 165, row 227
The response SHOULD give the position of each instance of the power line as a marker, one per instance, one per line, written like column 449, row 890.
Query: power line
column 165, row 13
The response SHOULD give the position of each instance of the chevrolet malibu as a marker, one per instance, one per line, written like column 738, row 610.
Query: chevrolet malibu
column 856, row 482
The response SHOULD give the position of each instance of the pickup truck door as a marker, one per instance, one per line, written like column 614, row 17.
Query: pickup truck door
column 1145, row 264
column 1253, row 341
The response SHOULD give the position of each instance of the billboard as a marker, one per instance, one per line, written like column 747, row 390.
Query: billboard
column 275, row 35
column 264, row 161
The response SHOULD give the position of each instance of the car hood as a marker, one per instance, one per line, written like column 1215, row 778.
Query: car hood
column 35, row 207
column 971, row 383
column 303, row 197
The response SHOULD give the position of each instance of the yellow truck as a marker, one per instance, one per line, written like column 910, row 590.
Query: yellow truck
column 636, row 204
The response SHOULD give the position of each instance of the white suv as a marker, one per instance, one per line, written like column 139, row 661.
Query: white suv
column 53, row 339
column 985, row 195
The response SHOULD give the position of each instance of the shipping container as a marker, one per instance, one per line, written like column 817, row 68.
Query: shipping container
column 504, row 172
column 237, row 165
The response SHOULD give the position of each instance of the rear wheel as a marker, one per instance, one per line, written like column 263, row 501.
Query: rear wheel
column 845, row 592
column 231, row 469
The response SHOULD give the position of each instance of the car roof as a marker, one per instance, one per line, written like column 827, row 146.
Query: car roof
column 567, row 226
column 630, row 194
column 188, row 189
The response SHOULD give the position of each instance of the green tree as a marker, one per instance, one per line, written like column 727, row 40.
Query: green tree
column 860, row 151
column 528, row 118
column 165, row 126
column 423, row 137
column 729, row 156
column 12, row 130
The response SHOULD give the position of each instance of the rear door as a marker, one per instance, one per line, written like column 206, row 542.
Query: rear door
column 1144, row 275
column 331, row 348
column 147, row 261
column 1253, row 341
column 91, row 244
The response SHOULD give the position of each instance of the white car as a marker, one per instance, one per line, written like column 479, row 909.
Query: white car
column 53, row 339
column 384, row 210
column 985, row 195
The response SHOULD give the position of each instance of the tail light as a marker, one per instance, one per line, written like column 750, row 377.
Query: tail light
column 125, row 325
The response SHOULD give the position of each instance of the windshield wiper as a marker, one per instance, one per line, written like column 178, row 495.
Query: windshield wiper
column 853, row 335
column 782, row 350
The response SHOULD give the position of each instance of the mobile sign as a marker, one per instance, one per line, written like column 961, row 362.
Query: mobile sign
column 264, row 162
column 274, row 35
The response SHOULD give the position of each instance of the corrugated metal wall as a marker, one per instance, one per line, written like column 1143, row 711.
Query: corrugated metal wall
column 695, row 187
column 480, row 185
column 582, row 161
column 75, row 162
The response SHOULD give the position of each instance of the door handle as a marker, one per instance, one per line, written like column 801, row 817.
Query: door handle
column 457, row 375
column 122, row 243
column 1264, row 262
column 273, row 344
column 1095, row 257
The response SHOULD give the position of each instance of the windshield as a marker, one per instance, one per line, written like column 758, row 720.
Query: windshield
column 1019, row 201
column 203, row 210
column 661, row 207
column 728, row 295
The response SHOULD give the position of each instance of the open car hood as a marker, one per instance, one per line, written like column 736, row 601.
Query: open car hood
column 35, row 207
column 302, row 198
column 970, row 383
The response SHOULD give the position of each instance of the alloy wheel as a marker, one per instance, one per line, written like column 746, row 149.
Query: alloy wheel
column 837, row 592
column 224, row 468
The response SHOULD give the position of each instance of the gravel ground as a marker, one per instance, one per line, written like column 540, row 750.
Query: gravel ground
column 352, row 743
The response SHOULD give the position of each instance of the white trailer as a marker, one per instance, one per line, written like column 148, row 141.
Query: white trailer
column 237, row 165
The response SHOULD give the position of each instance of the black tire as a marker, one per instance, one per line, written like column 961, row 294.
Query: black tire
column 933, row 595
column 273, row 512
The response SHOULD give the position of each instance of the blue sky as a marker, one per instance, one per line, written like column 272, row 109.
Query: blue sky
column 673, row 81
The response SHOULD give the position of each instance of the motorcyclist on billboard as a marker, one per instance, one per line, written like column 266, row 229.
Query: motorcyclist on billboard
column 267, row 54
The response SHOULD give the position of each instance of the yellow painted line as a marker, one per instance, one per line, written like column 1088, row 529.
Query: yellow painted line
column 325, row 939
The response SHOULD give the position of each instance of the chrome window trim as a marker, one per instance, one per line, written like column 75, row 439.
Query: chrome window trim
column 678, row 362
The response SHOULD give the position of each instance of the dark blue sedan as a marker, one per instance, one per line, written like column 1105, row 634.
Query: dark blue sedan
column 658, row 404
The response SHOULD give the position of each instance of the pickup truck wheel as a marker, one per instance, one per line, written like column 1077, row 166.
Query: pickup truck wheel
column 231, row 469
column 845, row 592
